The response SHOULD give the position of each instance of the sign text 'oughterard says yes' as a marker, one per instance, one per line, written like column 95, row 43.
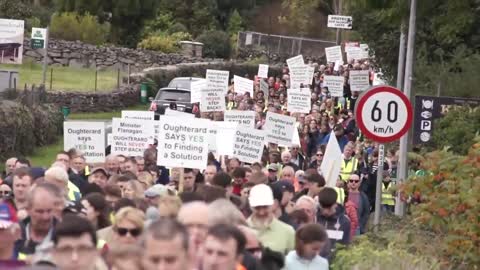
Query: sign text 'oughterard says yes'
column 279, row 128
column 131, row 136
column 183, row 142
column 248, row 145
column 86, row 137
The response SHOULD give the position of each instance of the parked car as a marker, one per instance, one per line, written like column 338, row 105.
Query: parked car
column 177, row 92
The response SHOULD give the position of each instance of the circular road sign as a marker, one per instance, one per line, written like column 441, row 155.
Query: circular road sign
column 384, row 114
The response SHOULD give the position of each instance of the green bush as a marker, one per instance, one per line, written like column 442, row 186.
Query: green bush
column 71, row 26
column 216, row 44
column 456, row 130
column 177, row 27
column 163, row 42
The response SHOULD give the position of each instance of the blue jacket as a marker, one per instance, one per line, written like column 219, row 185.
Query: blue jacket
column 329, row 223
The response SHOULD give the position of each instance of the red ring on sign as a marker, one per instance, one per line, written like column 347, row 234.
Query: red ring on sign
column 361, row 104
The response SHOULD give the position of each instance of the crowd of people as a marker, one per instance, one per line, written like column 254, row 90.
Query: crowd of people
column 130, row 213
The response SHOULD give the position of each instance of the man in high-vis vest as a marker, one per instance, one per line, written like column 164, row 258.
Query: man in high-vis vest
column 388, row 199
column 349, row 163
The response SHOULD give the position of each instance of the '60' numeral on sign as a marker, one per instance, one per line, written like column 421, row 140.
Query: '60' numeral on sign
column 392, row 112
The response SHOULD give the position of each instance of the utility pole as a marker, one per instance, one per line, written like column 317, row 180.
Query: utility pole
column 339, row 31
column 45, row 58
column 401, row 57
column 407, row 87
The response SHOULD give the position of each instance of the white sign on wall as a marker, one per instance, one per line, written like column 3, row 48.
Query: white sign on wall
column 338, row 21
column 243, row 85
column 248, row 145
column 359, row 80
column 296, row 61
column 262, row 71
column 299, row 100
column 334, row 54
column 87, row 137
column 334, row 84
column 242, row 118
column 279, row 128
column 196, row 88
column 183, row 143
column 11, row 41
column 131, row 137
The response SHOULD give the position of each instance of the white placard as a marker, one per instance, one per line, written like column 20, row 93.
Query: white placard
column 212, row 101
column 301, row 75
column 131, row 137
column 248, row 39
column 87, row 137
column 337, row 21
column 242, row 118
column 217, row 79
column 351, row 45
column 139, row 115
column 262, row 71
column 359, row 80
column 109, row 138
column 264, row 88
column 196, row 88
column 248, row 145
column 11, row 35
column 183, row 143
column 243, row 85
column 334, row 84
column 299, row 100
column 279, row 128
column 221, row 137
column 178, row 114
column 334, row 54
column 296, row 61
column 357, row 53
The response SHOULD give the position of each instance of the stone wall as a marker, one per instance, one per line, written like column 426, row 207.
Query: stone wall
column 96, row 102
column 78, row 54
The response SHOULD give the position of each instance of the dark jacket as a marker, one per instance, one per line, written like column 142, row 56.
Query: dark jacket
column 27, row 246
column 301, row 162
column 77, row 181
column 330, row 223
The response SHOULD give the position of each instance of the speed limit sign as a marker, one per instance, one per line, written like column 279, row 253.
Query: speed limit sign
column 384, row 114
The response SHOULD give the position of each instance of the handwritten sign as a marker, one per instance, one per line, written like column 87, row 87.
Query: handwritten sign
column 299, row 100
column 279, row 128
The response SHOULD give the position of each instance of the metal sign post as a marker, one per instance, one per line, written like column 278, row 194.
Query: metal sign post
column 45, row 59
column 378, row 192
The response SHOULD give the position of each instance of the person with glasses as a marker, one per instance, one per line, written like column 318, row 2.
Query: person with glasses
column 360, row 200
column 297, row 158
column 128, row 225
column 74, row 245
column 5, row 192
column 317, row 162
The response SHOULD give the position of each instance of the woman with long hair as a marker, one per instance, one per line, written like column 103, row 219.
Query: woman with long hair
column 96, row 210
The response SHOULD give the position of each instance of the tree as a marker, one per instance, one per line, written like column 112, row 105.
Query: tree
column 14, row 10
column 235, row 24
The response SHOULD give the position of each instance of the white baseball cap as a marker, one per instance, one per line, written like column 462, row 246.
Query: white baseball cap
column 260, row 195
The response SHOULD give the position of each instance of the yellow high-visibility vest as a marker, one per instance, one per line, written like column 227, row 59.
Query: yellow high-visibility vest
column 348, row 168
column 340, row 195
column 387, row 197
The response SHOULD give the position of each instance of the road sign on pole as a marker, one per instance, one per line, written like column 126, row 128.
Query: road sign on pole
column 39, row 35
column 384, row 114
column 338, row 21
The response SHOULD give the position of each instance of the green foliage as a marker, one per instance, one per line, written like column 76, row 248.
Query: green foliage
column 216, row 44
column 161, row 23
column 456, row 130
column 299, row 15
column 164, row 43
column 177, row 28
column 235, row 23
column 15, row 10
column 72, row 26
column 450, row 204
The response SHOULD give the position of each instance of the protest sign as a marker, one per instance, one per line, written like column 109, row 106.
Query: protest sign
column 357, row 53
column 87, row 137
column 299, row 100
column 334, row 54
column 352, row 45
column 338, row 21
column 248, row 144
column 243, row 85
column 169, row 112
column 217, row 80
column 296, row 61
column 131, row 136
column 196, row 88
column 242, row 118
column 11, row 41
column 220, row 140
column 279, row 128
column 334, row 84
column 359, row 80
column 262, row 71
column 301, row 75
column 264, row 88
column 139, row 115
column 183, row 143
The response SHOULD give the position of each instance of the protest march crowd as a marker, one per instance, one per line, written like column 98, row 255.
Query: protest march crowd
column 281, row 212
